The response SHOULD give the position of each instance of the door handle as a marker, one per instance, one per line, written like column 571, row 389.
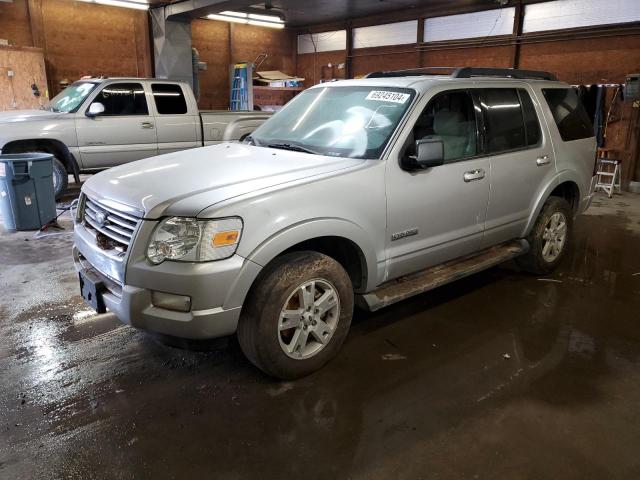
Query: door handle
column 472, row 175
column 544, row 160
column 146, row 125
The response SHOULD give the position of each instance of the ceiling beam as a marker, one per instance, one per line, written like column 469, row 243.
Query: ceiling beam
column 202, row 8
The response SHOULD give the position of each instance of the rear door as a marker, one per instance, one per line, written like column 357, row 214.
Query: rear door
column 177, row 122
column 522, row 159
column 123, row 133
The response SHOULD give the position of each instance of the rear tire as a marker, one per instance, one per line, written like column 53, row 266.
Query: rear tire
column 60, row 178
column 297, row 316
column 549, row 237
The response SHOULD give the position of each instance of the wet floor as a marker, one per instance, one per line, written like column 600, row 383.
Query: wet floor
column 500, row 375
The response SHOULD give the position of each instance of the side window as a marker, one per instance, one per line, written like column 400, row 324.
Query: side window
column 169, row 99
column 569, row 113
column 531, row 122
column 504, row 122
column 123, row 99
column 450, row 117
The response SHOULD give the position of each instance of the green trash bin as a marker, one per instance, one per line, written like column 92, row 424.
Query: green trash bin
column 27, row 199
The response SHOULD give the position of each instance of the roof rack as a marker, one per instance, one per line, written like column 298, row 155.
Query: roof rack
column 467, row 72
column 413, row 72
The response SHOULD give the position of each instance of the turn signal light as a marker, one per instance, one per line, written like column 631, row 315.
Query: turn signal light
column 223, row 239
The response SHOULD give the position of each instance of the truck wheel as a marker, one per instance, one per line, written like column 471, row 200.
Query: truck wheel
column 297, row 316
column 60, row 178
column 549, row 238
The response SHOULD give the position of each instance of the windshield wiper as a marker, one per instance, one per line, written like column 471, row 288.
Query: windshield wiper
column 250, row 140
column 293, row 147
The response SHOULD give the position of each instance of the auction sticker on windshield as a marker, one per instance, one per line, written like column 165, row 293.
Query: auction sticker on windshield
column 387, row 96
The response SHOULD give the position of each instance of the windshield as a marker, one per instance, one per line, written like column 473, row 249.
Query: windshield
column 352, row 122
column 70, row 99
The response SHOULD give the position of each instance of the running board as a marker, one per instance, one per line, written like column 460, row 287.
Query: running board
column 404, row 287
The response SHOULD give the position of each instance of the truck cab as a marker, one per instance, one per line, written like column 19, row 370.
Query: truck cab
column 96, row 124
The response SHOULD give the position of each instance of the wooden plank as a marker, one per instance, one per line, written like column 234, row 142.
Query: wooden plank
column 27, row 65
column 276, row 89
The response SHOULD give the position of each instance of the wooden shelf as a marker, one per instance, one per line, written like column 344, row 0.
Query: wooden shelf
column 277, row 89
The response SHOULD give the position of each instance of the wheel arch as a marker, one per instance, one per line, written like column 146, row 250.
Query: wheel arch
column 564, row 185
column 49, row 145
column 342, row 240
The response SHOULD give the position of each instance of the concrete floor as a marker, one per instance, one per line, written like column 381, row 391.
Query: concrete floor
column 501, row 375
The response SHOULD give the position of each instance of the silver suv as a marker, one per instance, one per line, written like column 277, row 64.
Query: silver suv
column 359, row 191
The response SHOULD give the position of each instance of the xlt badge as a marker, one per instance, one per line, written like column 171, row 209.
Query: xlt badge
column 406, row 233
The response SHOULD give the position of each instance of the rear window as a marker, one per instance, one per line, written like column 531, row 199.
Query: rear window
column 569, row 113
column 531, row 122
column 504, row 122
column 169, row 99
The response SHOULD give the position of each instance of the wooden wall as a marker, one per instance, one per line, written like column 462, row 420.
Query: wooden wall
column 585, row 61
column 313, row 67
column 221, row 43
column 86, row 39
column 27, row 64
column 80, row 39
column 14, row 23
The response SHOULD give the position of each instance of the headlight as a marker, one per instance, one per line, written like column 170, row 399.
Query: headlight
column 191, row 240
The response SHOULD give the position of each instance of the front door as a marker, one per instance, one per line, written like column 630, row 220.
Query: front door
column 438, row 214
column 124, row 132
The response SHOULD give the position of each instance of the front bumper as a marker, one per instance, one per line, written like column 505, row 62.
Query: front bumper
column 217, row 290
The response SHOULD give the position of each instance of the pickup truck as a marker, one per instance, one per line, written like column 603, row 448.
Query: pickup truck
column 99, row 123
column 357, row 192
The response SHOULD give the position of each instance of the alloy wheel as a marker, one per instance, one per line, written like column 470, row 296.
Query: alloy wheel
column 308, row 319
column 554, row 236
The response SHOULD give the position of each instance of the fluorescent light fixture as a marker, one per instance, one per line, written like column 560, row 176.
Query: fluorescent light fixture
column 136, row 4
column 265, row 18
column 234, row 14
column 270, row 21
column 224, row 18
column 258, row 23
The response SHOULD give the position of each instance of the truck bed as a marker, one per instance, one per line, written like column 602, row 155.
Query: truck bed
column 222, row 125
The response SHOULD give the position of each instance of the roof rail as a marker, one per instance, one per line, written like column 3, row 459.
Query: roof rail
column 466, row 72
column 413, row 72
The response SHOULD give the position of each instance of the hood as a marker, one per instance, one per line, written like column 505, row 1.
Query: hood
column 14, row 116
column 184, row 183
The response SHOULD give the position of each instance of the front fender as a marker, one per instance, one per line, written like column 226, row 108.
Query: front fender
column 545, row 193
column 316, row 228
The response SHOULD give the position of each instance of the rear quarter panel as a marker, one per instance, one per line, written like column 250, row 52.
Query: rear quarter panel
column 575, row 160
column 219, row 126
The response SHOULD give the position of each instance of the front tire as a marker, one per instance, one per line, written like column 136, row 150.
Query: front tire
column 297, row 316
column 549, row 237
column 60, row 178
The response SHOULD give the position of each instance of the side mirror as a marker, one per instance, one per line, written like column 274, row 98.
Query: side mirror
column 95, row 109
column 429, row 153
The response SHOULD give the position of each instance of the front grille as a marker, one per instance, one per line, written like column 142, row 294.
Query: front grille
column 114, row 229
